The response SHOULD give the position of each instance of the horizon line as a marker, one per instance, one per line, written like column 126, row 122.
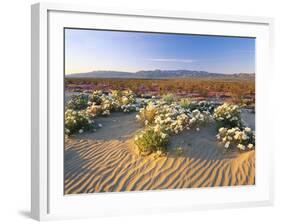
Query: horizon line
column 133, row 72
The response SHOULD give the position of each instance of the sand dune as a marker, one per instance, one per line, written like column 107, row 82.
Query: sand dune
column 106, row 161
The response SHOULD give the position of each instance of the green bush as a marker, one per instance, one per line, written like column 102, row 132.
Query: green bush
column 78, row 102
column 169, row 98
column 151, row 141
column 185, row 102
column 202, row 106
column 228, row 115
column 77, row 121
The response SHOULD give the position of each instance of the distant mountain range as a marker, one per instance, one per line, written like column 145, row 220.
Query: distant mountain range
column 158, row 74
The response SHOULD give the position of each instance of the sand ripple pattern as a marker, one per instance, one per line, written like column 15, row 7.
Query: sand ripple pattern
column 112, row 166
column 106, row 161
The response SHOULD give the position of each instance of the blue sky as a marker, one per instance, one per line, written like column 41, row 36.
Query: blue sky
column 88, row 50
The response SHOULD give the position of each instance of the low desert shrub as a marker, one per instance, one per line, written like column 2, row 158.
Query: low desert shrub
column 185, row 102
column 78, row 102
column 228, row 115
column 94, row 109
column 118, row 100
column 151, row 140
column 199, row 119
column 241, row 139
column 172, row 118
column 147, row 114
column 109, row 104
column 130, row 108
column 77, row 121
column 123, row 97
column 96, row 97
column 169, row 98
column 208, row 106
column 172, row 121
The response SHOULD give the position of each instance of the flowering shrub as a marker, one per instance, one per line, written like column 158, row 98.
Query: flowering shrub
column 146, row 115
column 172, row 117
column 185, row 102
column 128, row 97
column 77, row 121
column 123, row 97
column 117, row 100
column 108, row 103
column 77, row 102
column 242, row 139
column 95, row 97
column 202, row 106
column 151, row 140
column 94, row 109
column 228, row 115
column 130, row 108
column 169, row 98
column 199, row 118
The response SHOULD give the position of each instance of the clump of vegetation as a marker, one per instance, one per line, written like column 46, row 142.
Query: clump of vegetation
column 172, row 117
column 241, row 139
column 151, row 140
column 78, row 102
column 179, row 151
column 96, row 97
column 124, row 97
column 185, row 102
column 232, row 132
column 228, row 115
column 147, row 114
column 117, row 100
column 202, row 106
column 77, row 122
column 169, row 98
column 94, row 109
column 199, row 119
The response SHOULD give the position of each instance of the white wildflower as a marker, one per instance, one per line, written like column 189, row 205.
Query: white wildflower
column 224, row 140
column 250, row 146
column 227, row 144
column 242, row 147
column 163, row 135
column 244, row 136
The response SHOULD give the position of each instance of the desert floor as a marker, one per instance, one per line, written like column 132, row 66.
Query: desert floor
column 106, row 160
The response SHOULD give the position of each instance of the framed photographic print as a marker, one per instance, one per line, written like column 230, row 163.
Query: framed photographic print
column 148, row 111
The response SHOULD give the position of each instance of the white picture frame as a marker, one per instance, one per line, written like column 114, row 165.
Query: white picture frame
column 48, row 201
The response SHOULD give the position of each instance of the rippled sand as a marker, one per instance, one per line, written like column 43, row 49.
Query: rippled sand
column 106, row 161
